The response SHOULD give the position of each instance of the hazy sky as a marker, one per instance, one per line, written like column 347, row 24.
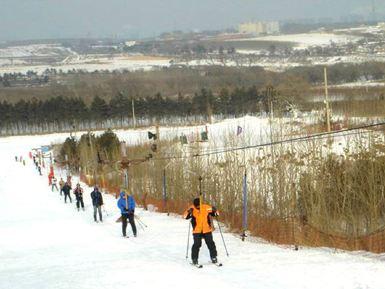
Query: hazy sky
column 30, row 19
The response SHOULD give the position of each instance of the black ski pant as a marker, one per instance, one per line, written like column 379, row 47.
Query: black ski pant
column 99, row 210
column 198, row 243
column 79, row 201
column 131, row 219
column 65, row 197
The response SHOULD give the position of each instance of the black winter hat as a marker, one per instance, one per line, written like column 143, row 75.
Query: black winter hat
column 196, row 202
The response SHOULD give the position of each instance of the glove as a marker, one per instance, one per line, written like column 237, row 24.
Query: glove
column 214, row 211
column 131, row 212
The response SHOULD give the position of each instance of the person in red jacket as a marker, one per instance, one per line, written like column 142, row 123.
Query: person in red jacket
column 201, row 221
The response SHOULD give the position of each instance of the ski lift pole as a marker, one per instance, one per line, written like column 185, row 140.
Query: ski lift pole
column 165, row 192
column 244, row 213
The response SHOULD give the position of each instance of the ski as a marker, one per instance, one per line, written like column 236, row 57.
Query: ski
column 216, row 264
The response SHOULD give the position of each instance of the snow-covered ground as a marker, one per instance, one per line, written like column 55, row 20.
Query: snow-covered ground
column 361, row 84
column 306, row 40
column 87, row 63
column 32, row 50
column 15, row 59
column 45, row 243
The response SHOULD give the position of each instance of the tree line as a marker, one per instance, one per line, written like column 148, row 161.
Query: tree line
column 68, row 109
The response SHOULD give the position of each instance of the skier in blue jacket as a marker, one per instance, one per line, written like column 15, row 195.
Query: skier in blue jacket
column 126, row 204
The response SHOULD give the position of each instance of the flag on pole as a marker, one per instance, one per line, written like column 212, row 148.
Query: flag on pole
column 239, row 130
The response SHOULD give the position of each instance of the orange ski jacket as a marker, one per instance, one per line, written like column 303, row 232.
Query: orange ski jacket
column 201, row 219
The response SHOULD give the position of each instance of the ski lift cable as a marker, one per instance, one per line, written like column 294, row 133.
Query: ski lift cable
column 343, row 132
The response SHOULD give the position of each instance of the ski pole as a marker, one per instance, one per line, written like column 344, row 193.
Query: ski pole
column 141, row 226
column 104, row 209
column 224, row 244
column 188, row 240
column 140, row 221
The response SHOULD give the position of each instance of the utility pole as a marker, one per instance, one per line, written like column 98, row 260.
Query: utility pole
column 133, row 113
column 327, row 99
column 157, row 141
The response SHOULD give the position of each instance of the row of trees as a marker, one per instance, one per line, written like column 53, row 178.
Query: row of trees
column 171, row 82
column 341, row 73
column 90, row 152
column 237, row 101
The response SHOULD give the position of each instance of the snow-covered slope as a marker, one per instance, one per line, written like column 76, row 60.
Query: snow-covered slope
column 45, row 243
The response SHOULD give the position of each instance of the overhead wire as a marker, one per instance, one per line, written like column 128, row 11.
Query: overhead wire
column 343, row 132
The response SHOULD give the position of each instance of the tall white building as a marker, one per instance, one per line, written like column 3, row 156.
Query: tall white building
column 260, row 27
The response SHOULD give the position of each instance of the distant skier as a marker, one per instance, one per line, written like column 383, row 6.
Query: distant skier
column 61, row 185
column 97, row 202
column 79, row 197
column 54, row 184
column 15, row 158
column 126, row 204
column 50, row 176
column 201, row 222
column 66, row 190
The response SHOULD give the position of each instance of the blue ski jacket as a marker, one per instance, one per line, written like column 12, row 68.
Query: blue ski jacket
column 122, row 204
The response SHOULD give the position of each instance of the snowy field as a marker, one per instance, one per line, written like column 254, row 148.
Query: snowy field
column 86, row 63
column 48, row 244
column 33, row 50
column 306, row 40
column 15, row 59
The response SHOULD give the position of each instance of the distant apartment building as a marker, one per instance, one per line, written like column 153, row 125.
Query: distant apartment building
column 260, row 27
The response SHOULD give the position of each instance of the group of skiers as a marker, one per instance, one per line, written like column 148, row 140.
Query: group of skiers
column 126, row 204
column 20, row 159
column 201, row 215
column 96, row 197
column 37, row 165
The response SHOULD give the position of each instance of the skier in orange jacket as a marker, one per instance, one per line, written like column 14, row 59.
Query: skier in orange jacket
column 201, row 221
